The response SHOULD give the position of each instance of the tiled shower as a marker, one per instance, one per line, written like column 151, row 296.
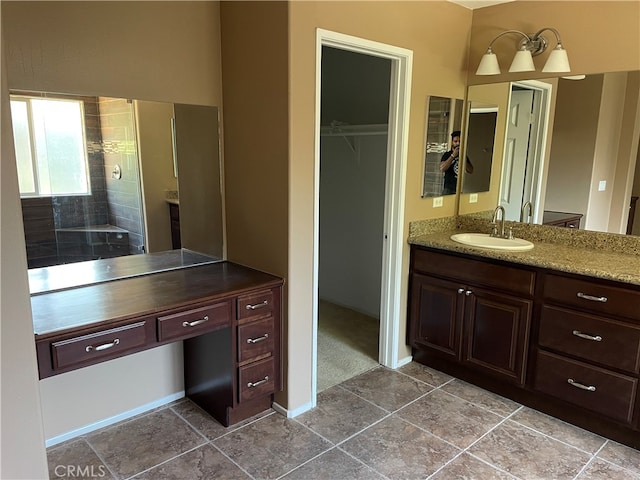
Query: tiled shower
column 109, row 221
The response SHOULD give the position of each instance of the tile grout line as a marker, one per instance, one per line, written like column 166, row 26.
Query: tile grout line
column 165, row 461
column 231, row 460
column 362, row 398
column 466, row 449
column 550, row 437
column 593, row 456
column 190, row 425
column 336, row 444
column 86, row 440
column 360, row 461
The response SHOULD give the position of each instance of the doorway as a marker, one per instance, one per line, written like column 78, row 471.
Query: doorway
column 523, row 165
column 354, row 116
column 376, row 201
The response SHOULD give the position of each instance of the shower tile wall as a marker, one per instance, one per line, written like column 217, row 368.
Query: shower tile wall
column 61, row 229
column 120, row 148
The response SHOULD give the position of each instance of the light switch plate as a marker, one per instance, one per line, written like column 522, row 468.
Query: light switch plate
column 473, row 198
column 602, row 186
column 437, row 202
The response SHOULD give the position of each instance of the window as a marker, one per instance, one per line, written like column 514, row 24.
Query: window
column 50, row 146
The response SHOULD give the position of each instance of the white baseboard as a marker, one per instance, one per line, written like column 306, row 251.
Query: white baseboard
column 292, row 413
column 115, row 419
column 403, row 361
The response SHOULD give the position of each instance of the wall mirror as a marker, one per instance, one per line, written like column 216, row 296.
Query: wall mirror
column 444, row 115
column 479, row 146
column 99, row 175
column 575, row 158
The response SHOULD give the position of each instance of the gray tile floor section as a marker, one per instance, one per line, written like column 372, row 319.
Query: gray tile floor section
column 411, row 423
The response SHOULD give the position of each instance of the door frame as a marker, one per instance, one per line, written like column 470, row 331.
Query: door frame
column 537, row 165
column 397, row 146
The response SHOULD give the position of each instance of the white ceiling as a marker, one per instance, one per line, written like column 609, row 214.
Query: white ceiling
column 471, row 4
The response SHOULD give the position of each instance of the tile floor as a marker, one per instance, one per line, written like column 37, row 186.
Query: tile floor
column 412, row 423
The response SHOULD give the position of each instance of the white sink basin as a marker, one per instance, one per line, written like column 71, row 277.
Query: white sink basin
column 484, row 240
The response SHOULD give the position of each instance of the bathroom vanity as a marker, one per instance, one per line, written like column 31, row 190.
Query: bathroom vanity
column 556, row 328
column 228, row 316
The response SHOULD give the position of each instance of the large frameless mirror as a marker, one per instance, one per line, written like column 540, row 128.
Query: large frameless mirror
column 443, row 118
column 104, row 177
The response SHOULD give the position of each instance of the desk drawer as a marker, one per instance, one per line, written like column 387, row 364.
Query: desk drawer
column 257, row 379
column 594, row 388
column 255, row 304
column 194, row 322
column 255, row 339
column 593, row 296
column 592, row 338
column 98, row 346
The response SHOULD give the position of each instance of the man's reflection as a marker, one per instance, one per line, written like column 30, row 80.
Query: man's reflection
column 450, row 164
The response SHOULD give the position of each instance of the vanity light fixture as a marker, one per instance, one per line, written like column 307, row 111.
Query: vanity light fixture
column 529, row 46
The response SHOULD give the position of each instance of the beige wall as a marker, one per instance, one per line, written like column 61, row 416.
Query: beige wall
column 22, row 437
column 606, row 151
column 495, row 94
column 572, row 151
column 629, row 138
column 599, row 36
column 156, row 170
column 255, row 50
column 162, row 51
column 438, row 69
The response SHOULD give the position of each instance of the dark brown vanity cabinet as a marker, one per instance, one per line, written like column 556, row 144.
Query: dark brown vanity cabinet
column 564, row 344
column 174, row 215
column 474, row 314
column 588, row 348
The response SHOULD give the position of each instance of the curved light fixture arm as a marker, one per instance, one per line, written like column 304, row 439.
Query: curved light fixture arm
column 526, row 38
column 537, row 44
column 555, row 32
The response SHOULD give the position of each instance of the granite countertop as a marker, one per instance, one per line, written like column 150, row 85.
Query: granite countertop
column 606, row 256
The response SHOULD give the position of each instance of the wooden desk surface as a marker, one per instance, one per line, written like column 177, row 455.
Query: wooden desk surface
column 75, row 309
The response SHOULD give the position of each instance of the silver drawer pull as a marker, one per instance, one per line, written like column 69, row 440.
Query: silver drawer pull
column 593, row 298
column 461, row 290
column 196, row 322
column 258, row 339
column 257, row 305
column 255, row 384
column 573, row 383
column 104, row 346
column 586, row 336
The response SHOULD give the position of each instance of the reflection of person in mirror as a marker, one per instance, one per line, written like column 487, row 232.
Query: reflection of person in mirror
column 450, row 164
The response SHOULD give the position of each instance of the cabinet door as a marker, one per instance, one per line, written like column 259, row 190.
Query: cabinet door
column 436, row 315
column 496, row 333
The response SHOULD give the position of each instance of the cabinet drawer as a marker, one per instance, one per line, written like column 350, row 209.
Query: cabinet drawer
column 592, row 338
column 256, row 379
column 98, row 346
column 486, row 274
column 593, row 296
column 194, row 322
column 255, row 339
column 593, row 388
column 255, row 304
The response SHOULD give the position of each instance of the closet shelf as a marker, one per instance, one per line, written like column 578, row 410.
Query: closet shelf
column 354, row 130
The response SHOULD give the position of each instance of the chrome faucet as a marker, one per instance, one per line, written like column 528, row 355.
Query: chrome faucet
column 525, row 207
column 494, row 222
